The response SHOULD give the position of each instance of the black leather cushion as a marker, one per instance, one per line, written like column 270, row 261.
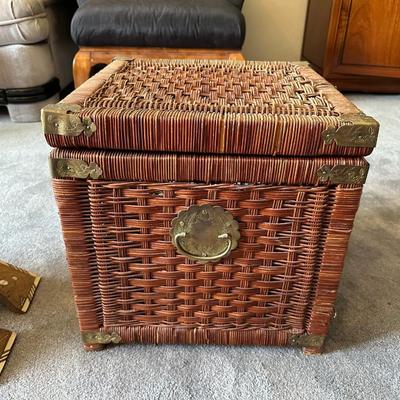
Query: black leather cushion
column 237, row 3
column 159, row 23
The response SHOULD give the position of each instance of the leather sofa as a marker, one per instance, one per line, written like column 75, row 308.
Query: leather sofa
column 159, row 23
column 104, row 29
column 36, row 53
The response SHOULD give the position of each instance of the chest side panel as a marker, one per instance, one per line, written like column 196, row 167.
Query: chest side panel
column 264, row 283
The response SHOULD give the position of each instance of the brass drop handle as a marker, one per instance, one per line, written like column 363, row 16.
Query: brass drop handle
column 204, row 258
column 205, row 233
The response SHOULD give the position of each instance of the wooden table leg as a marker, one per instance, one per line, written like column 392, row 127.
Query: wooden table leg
column 81, row 67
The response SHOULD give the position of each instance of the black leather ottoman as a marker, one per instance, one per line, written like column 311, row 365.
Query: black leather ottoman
column 104, row 29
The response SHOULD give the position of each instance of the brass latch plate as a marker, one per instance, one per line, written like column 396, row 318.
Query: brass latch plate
column 100, row 337
column 205, row 233
column 357, row 130
column 64, row 119
column 343, row 174
column 70, row 168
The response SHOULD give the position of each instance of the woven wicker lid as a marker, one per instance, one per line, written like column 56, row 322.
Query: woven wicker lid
column 231, row 107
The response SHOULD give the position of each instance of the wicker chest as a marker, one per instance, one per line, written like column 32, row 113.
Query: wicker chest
column 207, row 202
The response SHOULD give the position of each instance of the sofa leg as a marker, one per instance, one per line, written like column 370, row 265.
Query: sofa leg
column 81, row 67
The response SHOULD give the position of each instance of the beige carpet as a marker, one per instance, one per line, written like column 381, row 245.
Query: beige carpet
column 362, row 359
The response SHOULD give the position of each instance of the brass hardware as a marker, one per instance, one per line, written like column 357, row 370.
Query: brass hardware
column 205, row 233
column 204, row 256
column 64, row 119
column 358, row 130
column 343, row 174
column 69, row 168
column 100, row 337
column 17, row 287
column 7, row 340
column 305, row 340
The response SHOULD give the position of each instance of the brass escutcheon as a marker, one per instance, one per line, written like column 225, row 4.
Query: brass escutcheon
column 205, row 233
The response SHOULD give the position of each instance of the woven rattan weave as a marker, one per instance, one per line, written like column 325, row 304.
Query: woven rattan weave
column 231, row 107
column 138, row 226
column 281, row 280
column 129, row 279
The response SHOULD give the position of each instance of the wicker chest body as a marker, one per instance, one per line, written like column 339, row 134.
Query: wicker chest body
column 207, row 202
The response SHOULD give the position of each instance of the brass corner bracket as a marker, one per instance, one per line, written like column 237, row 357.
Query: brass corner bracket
column 100, row 337
column 70, row 168
column 343, row 174
column 64, row 119
column 306, row 340
column 357, row 130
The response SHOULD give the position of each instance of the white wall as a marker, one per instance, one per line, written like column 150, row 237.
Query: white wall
column 274, row 29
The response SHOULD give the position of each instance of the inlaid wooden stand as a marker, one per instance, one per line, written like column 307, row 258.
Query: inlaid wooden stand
column 17, row 288
column 88, row 57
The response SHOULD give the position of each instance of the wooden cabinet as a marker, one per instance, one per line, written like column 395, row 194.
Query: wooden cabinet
column 355, row 44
